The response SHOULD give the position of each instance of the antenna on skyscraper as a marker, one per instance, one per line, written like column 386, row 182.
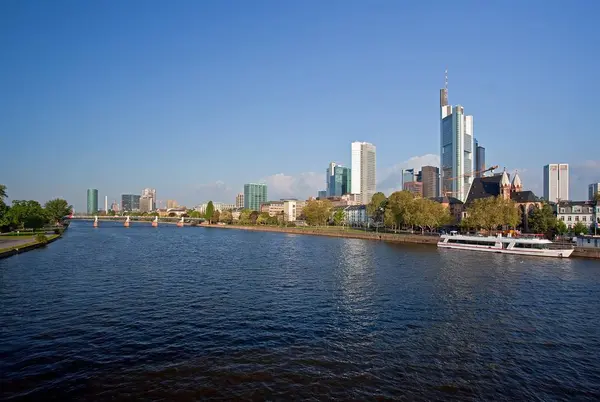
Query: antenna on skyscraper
column 446, row 80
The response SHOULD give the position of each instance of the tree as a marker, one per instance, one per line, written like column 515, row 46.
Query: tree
column 210, row 211
column 317, row 212
column 580, row 228
column 27, row 214
column 263, row 218
column 226, row 217
column 373, row 207
column 4, row 218
column 253, row 217
column 597, row 197
column 338, row 217
column 491, row 213
column 216, row 216
column 561, row 228
column 3, row 194
column 401, row 205
column 57, row 209
column 193, row 214
column 542, row 220
column 244, row 218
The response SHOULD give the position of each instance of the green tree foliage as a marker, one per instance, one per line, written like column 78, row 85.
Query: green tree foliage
column 542, row 220
column 580, row 228
column 491, row 213
column 4, row 218
column 226, row 217
column 400, row 205
column 216, row 216
column 57, row 209
column 27, row 214
column 253, row 217
column 317, row 212
column 597, row 197
column 210, row 210
column 263, row 218
column 3, row 193
column 244, row 218
column 192, row 214
column 338, row 217
column 377, row 201
column 561, row 228
column 41, row 238
column 428, row 214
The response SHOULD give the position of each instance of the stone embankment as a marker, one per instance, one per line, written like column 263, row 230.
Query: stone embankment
column 27, row 247
column 355, row 234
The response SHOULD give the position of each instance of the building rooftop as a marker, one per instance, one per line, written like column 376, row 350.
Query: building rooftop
column 447, row 200
column 524, row 196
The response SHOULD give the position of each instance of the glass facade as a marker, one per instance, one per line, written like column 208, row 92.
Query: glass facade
column 130, row 202
column 92, row 201
column 254, row 196
column 408, row 176
column 340, row 181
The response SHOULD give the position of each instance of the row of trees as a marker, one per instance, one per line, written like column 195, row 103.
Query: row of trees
column 491, row 213
column 31, row 214
column 403, row 210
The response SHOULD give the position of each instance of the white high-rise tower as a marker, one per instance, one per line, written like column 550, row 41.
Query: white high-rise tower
column 556, row 182
column 363, row 179
column 456, row 149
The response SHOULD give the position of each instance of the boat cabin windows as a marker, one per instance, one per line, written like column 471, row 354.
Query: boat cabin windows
column 472, row 242
column 542, row 246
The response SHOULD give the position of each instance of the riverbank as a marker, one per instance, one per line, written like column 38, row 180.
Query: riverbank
column 336, row 232
column 25, row 245
column 579, row 252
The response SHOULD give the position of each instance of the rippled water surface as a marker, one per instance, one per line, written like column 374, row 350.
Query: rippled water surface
column 192, row 313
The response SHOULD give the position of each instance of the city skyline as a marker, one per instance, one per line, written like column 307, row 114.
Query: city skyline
column 324, row 91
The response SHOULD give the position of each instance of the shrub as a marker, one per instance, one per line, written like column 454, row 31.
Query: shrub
column 291, row 225
column 41, row 238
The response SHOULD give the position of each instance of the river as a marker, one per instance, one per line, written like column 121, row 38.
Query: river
column 171, row 313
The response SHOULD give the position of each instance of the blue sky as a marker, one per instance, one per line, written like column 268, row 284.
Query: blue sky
column 195, row 98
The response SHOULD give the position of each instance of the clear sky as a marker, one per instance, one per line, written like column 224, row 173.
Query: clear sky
column 196, row 98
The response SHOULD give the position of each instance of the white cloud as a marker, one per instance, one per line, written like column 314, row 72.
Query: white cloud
column 301, row 186
column 390, row 179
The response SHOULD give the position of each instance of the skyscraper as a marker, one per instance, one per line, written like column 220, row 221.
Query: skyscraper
column 172, row 204
column 479, row 159
column 556, row 182
column 105, row 203
column 150, row 192
column 408, row 176
column 364, row 178
column 239, row 200
column 130, row 202
column 430, row 176
column 593, row 189
column 254, row 195
column 92, row 201
column 456, row 149
column 340, row 181
column 328, row 173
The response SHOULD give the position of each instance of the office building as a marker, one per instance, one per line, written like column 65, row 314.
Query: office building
column 456, row 149
column 130, row 202
column 172, row 204
column 273, row 208
column 479, row 159
column 408, row 176
column 114, row 207
column 556, row 182
column 328, row 173
column 593, row 189
column 217, row 206
column 322, row 194
column 339, row 181
column 414, row 187
column 146, row 203
column 105, row 203
column 364, row 179
column 430, row 177
column 150, row 192
column 254, row 196
column 239, row 200
column 92, row 201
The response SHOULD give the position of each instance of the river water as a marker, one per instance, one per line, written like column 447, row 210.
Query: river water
column 171, row 313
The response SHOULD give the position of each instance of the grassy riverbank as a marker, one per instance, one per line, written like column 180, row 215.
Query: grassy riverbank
column 24, row 244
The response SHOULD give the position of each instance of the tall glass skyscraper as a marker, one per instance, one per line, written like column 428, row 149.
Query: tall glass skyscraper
column 340, row 181
column 408, row 176
column 254, row 195
column 130, row 202
column 456, row 149
column 92, row 201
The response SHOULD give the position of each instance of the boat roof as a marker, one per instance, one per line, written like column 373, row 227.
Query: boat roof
column 495, row 239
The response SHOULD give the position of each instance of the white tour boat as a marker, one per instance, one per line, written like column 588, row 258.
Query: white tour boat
column 505, row 245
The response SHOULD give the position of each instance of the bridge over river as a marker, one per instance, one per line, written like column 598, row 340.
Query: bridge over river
column 165, row 219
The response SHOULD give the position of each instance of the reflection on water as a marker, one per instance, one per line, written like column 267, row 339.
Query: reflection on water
column 192, row 313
